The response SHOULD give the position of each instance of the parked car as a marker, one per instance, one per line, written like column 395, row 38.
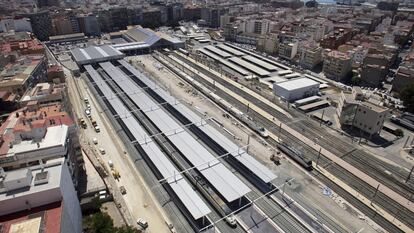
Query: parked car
column 142, row 223
column 122, row 190
column 231, row 220
column 102, row 151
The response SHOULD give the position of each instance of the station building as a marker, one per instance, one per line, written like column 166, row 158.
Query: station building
column 354, row 111
column 139, row 40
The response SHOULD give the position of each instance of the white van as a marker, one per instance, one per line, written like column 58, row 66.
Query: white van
column 142, row 223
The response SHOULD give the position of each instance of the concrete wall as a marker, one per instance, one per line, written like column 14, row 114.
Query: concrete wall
column 70, row 201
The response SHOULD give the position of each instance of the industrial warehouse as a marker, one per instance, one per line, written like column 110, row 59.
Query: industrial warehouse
column 245, row 64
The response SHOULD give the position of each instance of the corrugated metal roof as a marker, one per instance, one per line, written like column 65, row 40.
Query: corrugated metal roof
column 217, row 51
column 228, row 49
column 226, row 63
column 252, row 164
column 93, row 54
column 265, row 65
column 249, row 66
column 220, row 177
column 191, row 200
column 259, row 57
column 247, row 160
column 307, row 100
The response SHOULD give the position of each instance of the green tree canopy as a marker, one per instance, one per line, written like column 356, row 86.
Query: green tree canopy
column 399, row 133
column 98, row 223
column 407, row 96
column 103, row 223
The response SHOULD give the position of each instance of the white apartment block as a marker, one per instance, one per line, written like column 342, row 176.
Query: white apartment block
column 40, row 198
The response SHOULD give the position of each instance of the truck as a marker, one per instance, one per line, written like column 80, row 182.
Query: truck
column 94, row 123
column 115, row 174
column 82, row 123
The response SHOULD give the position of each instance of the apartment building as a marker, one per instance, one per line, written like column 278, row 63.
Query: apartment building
column 403, row 78
column 336, row 38
column 288, row 49
column 41, row 23
column 337, row 65
column 256, row 26
column 310, row 56
column 373, row 75
column 34, row 134
column 268, row 44
column 19, row 75
column 43, row 93
column 40, row 198
column 17, row 24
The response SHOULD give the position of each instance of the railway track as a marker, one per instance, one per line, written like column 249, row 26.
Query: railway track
column 273, row 210
column 193, row 176
column 331, row 142
column 309, row 153
column 161, row 194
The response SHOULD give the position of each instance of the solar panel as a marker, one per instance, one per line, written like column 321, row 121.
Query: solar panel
column 193, row 203
column 220, row 177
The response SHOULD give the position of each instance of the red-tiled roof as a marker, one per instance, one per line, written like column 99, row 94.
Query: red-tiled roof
column 4, row 94
column 51, row 215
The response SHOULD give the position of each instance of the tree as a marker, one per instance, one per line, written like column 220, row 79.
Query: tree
column 399, row 133
column 407, row 96
column 102, row 223
column 127, row 229
column 98, row 223
column 356, row 79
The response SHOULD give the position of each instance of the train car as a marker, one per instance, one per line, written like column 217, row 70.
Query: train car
column 295, row 155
